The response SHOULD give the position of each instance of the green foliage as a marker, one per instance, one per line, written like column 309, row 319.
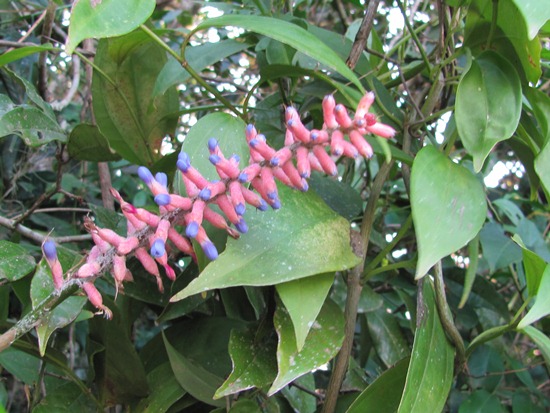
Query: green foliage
column 328, row 303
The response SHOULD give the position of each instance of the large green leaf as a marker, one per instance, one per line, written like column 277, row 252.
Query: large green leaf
column 198, row 57
column 67, row 398
column 431, row 367
column 195, row 379
column 165, row 391
column 290, row 34
column 387, row 338
column 105, row 18
column 303, row 238
column 384, row 393
column 133, row 122
column 15, row 261
column 86, row 143
column 254, row 363
column 446, row 199
column 535, row 13
column 541, row 307
column 323, row 342
column 303, row 300
column 488, row 105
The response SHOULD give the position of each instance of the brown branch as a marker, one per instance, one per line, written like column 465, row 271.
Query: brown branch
column 362, row 34
column 38, row 237
column 42, row 66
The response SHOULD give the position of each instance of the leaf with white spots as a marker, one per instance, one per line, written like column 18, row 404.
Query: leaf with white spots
column 15, row 261
column 323, row 343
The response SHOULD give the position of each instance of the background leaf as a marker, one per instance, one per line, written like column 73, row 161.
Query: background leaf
column 303, row 238
column 488, row 105
column 105, row 18
column 387, row 337
column 440, row 209
column 86, row 143
column 15, row 261
column 541, row 307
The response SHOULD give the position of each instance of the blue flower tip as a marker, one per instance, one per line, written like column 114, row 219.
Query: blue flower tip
column 192, row 229
column 145, row 175
column 276, row 204
column 162, row 178
column 215, row 159
column 183, row 165
column 158, row 249
column 209, row 250
column 212, row 143
column 205, row 194
column 243, row 177
column 50, row 251
column 240, row 209
column 263, row 205
column 272, row 195
column 162, row 199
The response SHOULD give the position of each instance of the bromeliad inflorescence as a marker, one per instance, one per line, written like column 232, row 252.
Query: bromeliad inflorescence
column 150, row 236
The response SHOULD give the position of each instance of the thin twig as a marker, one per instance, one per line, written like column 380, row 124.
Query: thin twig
column 38, row 237
column 42, row 66
column 363, row 34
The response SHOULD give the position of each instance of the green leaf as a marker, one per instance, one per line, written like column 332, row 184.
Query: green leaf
column 498, row 249
column 440, row 209
column 488, row 105
column 22, row 52
column 15, row 261
column 303, row 238
column 86, row 143
column 67, row 398
column 340, row 196
column 534, row 267
column 388, row 340
column 254, row 363
column 198, row 57
column 287, row 33
column 195, row 379
column 303, row 300
column 244, row 406
column 323, row 342
column 133, row 122
column 541, row 340
column 431, row 365
column 34, row 126
column 481, row 401
column 165, row 391
column 541, row 307
column 535, row 13
column 298, row 397
column 384, row 393
column 542, row 166
column 105, row 18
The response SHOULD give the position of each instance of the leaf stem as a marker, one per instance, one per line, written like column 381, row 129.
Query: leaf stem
column 414, row 36
column 493, row 25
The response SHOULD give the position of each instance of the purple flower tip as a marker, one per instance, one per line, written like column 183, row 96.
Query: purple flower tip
column 183, row 165
column 192, row 229
column 304, row 175
column 209, row 250
column 205, row 194
column 249, row 127
column 242, row 226
column 214, row 159
column 158, row 248
column 162, row 178
column 240, row 209
column 314, row 135
column 212, row 144
column 162, row 199
column 290, row 122
column 272, row 195
column 243, row 177
column 253, row 142
column 263, row 205
column 236, row 157
column 274, row 161
column 50, row 250
column 305, row 186
column 339, row 107
column 276, row 204
column 145, row 175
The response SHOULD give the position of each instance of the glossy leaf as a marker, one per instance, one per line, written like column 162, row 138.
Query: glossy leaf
column 535, row 13
column 105, row 18
column 165, row 391
column 15, row 261
column 432, row 359
column 287, row 33
column 541, row 307
column 388, row 340
column 86, row 143
column 440, row 209
column 303, row 300
column 198, row 57
column 21, row 52
column 133, row 122
column 542, row 166
column 541, row 340
column 323, row 342
column 384, row 393
column 34, row 126
column 254, row 363
column 196, row 380
column 303, row 238
column 533, row 265
column 488, row 105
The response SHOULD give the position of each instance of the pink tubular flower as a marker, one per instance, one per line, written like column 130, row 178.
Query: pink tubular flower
column 342, row 116
column 364, row 105
column 50, row 253
column 361, row 144
column 94, row 296
column 326, row 162
column 328, row 112
column 382, row 130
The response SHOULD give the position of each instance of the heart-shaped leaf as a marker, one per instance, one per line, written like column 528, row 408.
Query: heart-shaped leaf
column 105, row 18
column 488, row 105
column 303, row 238
column 448, row 207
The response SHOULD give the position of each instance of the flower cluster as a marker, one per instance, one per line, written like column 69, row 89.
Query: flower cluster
column 150, row 236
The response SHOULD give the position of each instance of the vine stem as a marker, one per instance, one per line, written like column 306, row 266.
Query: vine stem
column 360, row 242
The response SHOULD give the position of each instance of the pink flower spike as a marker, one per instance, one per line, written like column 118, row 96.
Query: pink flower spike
column 170, row 273
column 268, row 183
column 207, row 246
column 212, row 190
column 364, row 105
column 342, row 116
column 326, row 162
column 328, row 112
column 193, row 219
column 282, row 177
column 89, row 269
column 237, row 199
column 227, row 208
column 298, row 129
column 281, row 157
column 219, row 222
column 127, row 245
column 119, row 271
column 50, row 253
column 147, row 261
column 314, row 162
column 319, row 136
column 361, row 144
column 227, row 168
column 95, row 299
column 250, row 132
column 382, row 130
column 250, row 172
column 297, row 181
column 110, row 236
column 302, row 162
column 253, row 199
column 162, row 229
column 143, row 215
column 180, row 242
column 336, row 143
column 261, row 147
column 289, row 137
